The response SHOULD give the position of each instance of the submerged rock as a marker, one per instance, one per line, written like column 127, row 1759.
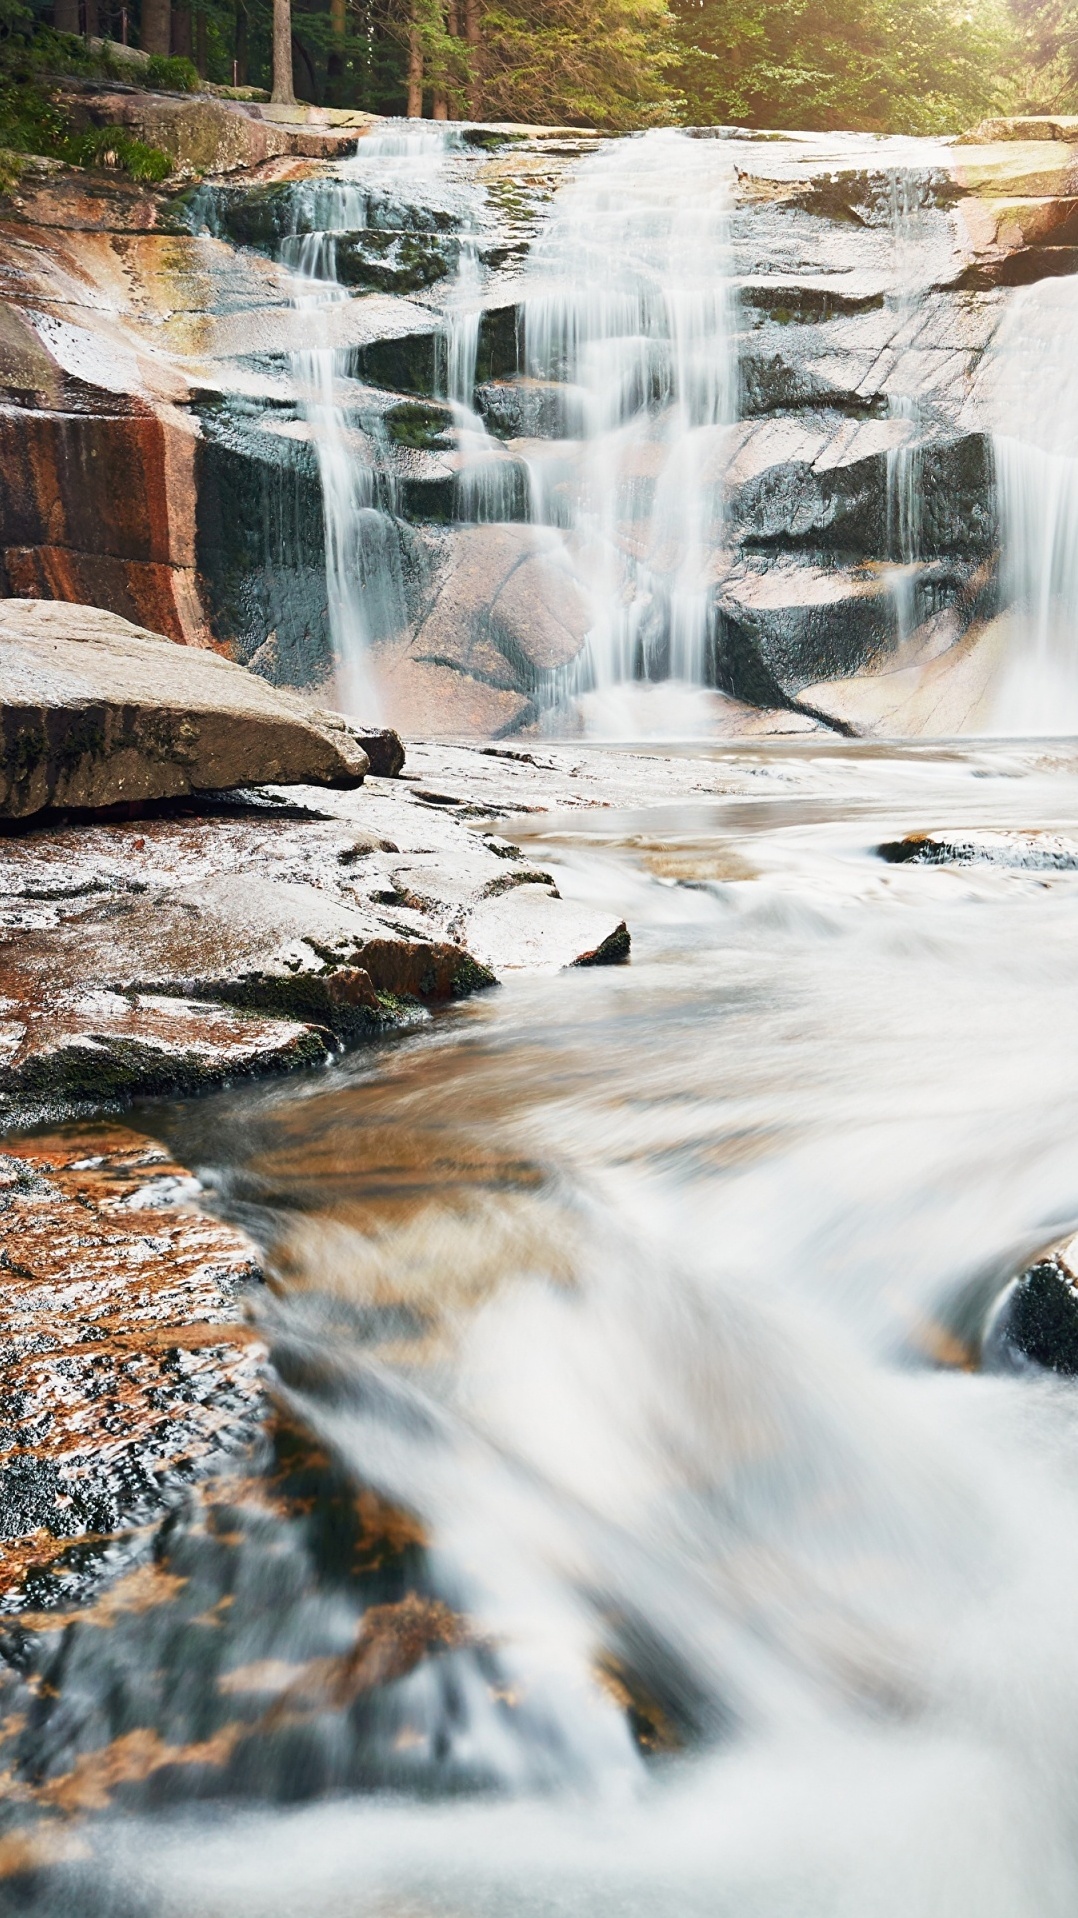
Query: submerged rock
column 1025, row 851
column 96, row 713
column 125, row 1370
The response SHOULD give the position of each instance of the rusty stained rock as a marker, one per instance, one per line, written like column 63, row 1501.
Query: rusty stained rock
column 125, row 1367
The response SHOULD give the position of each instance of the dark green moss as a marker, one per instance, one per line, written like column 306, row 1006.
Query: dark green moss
column 470, row 977
column 406, row 365
column 426, row 426
column 389, row 262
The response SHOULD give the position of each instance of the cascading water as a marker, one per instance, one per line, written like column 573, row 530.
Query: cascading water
column 1033, row 402
column 628, row 305
column 363, row 584
column 912, row 273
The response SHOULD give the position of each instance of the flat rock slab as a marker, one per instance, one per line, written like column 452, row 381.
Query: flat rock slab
column 60, row 1050
column 277, row 946
column 125, row 1369
column 96, row 712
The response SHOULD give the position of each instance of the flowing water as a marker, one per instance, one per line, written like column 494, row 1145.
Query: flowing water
column 629, row 305
column 1035, row 407
column 649, row 1297
column 364, row 587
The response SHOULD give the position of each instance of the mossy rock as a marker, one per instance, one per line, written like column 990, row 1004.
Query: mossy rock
column 406, row 365
column 426, row 426
column 391, row 262
column 498, row 355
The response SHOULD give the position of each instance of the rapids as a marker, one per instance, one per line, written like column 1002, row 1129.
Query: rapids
column 651, row 1295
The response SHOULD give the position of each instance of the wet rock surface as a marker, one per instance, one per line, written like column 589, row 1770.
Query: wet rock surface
column 146, row 1486
column 127, row 1372
column 1027, row 852
column 265, row 929
column 1034, row 1324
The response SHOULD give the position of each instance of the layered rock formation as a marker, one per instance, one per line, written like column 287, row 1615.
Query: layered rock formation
column 158, row 458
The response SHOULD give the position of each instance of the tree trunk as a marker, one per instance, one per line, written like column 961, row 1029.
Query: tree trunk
column 335, row 57
column 440, row 110
column 181, row 33
column 91, row 23
column 65, row 16
column 415, row 74
column 156, row 26
column 284, row 92
column 458, row 106
column 471, row 34
column 241, row 44
column 201, row 47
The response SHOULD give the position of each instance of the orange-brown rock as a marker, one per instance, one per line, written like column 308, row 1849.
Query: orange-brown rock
column 150, row 593
column 202, row 134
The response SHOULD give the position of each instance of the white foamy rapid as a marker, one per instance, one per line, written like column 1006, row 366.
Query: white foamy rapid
column 628, row 301
column 1032, row 382
column 679, row 1245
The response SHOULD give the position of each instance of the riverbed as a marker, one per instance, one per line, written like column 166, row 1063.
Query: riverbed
column 650, row 1300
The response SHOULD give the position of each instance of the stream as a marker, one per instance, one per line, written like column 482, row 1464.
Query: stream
column 650, row 1299
column 650, row 1517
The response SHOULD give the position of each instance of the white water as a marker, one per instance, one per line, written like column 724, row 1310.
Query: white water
column 628, row 301
column 1033, row 399
column 361, row 573
column 682, row 1237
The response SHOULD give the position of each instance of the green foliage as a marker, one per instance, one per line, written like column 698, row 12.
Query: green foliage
column 35, row 119
column 170, row 75
column 598, row 63
column 114, row 147
column 1044, row 77
column 912, row 66
column 887, row 66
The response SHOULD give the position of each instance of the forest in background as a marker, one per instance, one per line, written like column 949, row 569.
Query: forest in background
column 905, row 66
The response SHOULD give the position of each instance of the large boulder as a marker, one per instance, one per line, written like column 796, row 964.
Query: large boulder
column 97, row 713
column 508, row 610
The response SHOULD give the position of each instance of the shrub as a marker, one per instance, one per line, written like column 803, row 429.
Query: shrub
column 114, row 147
column 170, row 75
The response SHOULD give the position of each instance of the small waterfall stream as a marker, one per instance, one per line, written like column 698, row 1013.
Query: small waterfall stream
column 1034, row 402
column 628, row 305
column 364, row 589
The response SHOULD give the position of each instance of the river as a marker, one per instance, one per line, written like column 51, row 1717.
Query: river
column 649, row 1297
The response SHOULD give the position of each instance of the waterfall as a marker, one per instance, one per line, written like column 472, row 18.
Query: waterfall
column 1033, row 401
column 486, row 482
column 363, row 586
column 628, row 306
column 912, row 265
